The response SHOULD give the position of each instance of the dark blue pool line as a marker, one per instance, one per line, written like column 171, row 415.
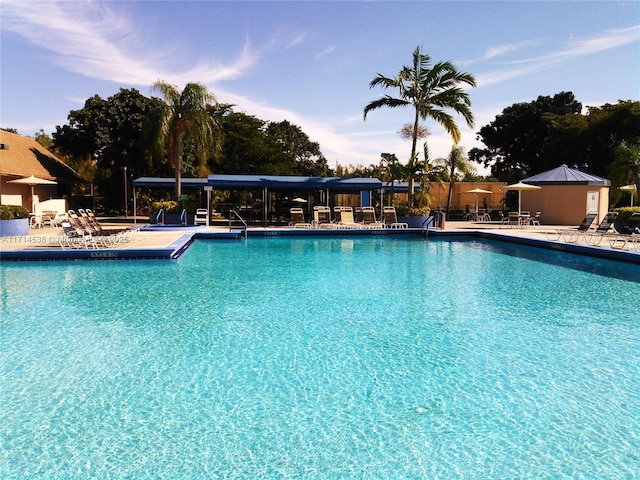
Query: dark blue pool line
column 592, row 251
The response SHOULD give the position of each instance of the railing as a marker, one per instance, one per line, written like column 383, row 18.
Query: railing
column 233, row 212
column 183, row 217
column 159, row 216
column 436, row 220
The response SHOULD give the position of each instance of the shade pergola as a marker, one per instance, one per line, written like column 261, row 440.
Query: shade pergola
column 266, row 183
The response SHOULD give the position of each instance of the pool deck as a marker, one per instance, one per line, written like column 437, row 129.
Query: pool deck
column 169, row 243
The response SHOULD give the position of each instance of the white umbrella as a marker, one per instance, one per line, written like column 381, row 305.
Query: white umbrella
column 299, row 200
column 477, row 191
column 520, row 187
column 629, row 188
column 32, row 181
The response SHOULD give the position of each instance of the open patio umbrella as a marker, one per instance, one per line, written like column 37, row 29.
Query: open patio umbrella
column 477, row 191
column 520, row 187
column 629, row 188
column 32, row 181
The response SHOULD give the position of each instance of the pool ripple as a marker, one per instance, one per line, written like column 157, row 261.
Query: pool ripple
column 357, row 358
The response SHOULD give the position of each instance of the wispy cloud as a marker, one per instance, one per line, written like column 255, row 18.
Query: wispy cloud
column 324, row 52
column 609, row 40
column 501, row 50
column 296, row 41
column 91, row 39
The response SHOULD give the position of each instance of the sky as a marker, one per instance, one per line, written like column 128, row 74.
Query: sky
column 311, row 62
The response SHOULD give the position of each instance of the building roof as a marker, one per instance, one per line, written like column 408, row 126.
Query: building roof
column 169, row 182
column 23, row 156
column 285, row 182
column 294, row 182
column 564, row 175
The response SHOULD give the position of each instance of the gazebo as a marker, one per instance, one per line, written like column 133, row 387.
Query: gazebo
column 567, row 195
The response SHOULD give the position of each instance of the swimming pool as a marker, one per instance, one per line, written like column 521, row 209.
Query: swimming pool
column 322, row 358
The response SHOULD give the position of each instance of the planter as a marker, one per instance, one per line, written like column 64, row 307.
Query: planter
column 413, row 222
column 14, row 228
column 174, row 219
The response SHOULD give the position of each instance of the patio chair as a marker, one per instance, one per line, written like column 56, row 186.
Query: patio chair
column 595, row 238
column 297, row 219
column 390, row 218
column 201, row 216
column 535, row 220
column 369, row 218
column 628, row 234
column 571, row 235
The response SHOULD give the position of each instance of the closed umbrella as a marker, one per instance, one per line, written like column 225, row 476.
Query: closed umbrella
column 520, row 187
column 629, row 188
column 33, row 181
column 477, row 191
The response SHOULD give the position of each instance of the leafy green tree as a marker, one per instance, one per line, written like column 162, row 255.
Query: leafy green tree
column 104, row 137
column 185, row 118
column 626, row 167
column 304, row 154
column 431, row 90
column 456, row 167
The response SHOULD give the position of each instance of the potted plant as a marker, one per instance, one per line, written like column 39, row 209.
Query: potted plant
column 14, row 221
column 415, row 217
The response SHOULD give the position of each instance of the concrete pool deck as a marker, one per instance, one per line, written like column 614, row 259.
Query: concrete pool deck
column 169, row 243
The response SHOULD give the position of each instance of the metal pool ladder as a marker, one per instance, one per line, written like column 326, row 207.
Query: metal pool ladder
column 233, row 212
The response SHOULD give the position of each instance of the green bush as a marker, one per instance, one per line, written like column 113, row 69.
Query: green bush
column 407, row 211
column 11, row 212
column 624, row 213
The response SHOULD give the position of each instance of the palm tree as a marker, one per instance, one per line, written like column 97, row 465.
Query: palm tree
column 430, row 90
column 456, row 163
column 186, row 117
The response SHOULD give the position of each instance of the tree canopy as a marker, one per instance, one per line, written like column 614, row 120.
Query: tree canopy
column 529, row 138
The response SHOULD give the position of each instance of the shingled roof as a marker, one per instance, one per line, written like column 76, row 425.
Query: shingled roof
column 23, row 156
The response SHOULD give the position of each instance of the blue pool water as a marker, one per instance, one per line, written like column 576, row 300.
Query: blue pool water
column 322, row 358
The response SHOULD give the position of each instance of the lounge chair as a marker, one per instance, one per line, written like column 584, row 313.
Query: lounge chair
column 571, row 235
column 322, row 217
column 603, row 229
column 74, row 237
column 628, row 234
column 297, row 219
column 369, row 218
column 390, row 218
column 106, row 237
column 347, row 220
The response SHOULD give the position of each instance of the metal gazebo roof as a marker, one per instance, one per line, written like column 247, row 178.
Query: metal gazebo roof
column 564, row 175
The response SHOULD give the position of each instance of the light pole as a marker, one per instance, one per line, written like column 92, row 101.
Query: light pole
column 126, row 197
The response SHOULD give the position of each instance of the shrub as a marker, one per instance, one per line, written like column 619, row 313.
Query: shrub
column 407, row 211
column 11, row 212
column 624, row 213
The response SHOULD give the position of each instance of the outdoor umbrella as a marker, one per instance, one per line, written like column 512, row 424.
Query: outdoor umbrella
column 477, row 191
column 520, row 187
column 629, row 188
column 33, row 181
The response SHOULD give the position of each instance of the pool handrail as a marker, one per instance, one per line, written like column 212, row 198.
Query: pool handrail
column 159, row 215
column 246, row 227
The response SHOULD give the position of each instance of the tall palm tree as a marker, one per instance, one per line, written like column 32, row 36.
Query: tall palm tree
column 186, row 116
column 431, row 90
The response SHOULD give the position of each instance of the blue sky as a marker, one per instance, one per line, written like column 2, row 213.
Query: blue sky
column 311, row 62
